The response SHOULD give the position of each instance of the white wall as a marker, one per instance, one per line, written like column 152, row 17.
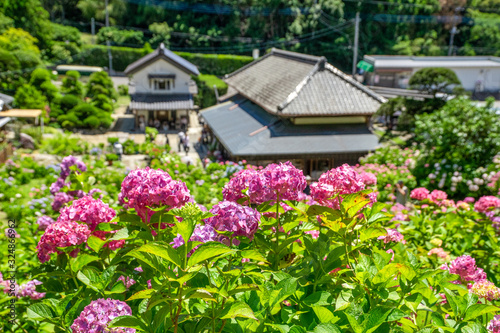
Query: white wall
column 140, row 80
column 469, row 76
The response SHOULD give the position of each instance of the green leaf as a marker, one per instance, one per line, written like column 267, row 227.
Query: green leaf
column 90, row 277
column 371, row 233
column 327, row 328
column 128, row 321
column 81, row 261
column 253, row 255
column 238, row 310
column 376, row 317
column 147, row 293
column 324, row 315
column 108, row 227
column 95, row 243
column 318, row 298
column 450, row 297
column 208, row 251
column 396, row 314
column 477, row 310
column 353, row 203
column 163, row 250
column 40, row 311
column 120, row 234
column 297, row 329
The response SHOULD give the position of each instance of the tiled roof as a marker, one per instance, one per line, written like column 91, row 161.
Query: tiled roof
column 331, row 92
column 296, row 85
column 161, row 102
column 246, row 130
column 6, row 98
column 162, row 52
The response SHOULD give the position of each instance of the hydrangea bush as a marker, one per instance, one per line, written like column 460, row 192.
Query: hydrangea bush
column 265, row 257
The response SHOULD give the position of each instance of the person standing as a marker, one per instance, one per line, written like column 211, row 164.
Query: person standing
column 182, row 136
column 401, row 193
column 118, row 150
column 186, row 144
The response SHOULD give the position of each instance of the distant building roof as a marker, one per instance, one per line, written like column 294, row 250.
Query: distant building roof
column 247, row 131
column 409, row 62
column 4, row 121
column 292, row 84
column 167, row 55
column 161, row 102
column 78, row 68
column 6, row 99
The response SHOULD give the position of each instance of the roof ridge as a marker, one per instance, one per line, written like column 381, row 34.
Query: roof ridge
column 298, row 55
column 161, row 51
column 355, row 83
column 320, row 65
column 239, row 70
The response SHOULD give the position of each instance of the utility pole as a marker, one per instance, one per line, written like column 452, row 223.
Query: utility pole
column 92, row 29
column 453, row 32
column 356, row 42
column 110, row 57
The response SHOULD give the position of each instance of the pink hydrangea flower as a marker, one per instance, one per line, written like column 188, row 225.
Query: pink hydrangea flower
column 392, row 236
column 44, row 221
column 438, row 195
column 439, row 252
column 284, row 180
column 230, row 216
column 465, row 267
column 341, row 180
column 96, row 316
column 486, row 203
column 127, row 281
column 147, row 187
column 368, row 178
column 469, row 199
column 88, row 210
column 314, row 233
column 60, row 235
column 241, row 180
column 486, row 289
column 28, row 289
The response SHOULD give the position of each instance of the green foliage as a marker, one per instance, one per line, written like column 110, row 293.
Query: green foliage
column 66, row 34
column 97, row 55
column 434, row 80
column 28, row 97
column 41, row 79
column 161, row 34
column 216, row 64
column 206, row 93
column 22, row 46
column 8, row 62
column 5, row 23
column 100, row 83
column 64, row 145
column 123, row 90
column 119, row 36
column 71, row 84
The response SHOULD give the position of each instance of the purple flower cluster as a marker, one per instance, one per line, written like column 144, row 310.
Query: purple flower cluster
column 27, row 289
column 61, row 199
column 96, row 316
column 281, row 180
column 68, row 162
column 230, row 216
column 143, row 188
column 201, row 233
column 341, row 180
column 128, row 282
column 494, row 325
column 44, row 221
column 59, row 235
column 465, row 267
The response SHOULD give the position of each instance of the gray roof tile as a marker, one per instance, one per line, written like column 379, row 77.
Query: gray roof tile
column 240, row 126
column 296, row 85
column 161, row 102
column 162, row 52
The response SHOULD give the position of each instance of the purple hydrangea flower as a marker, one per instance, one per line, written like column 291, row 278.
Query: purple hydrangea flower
column 96, row 316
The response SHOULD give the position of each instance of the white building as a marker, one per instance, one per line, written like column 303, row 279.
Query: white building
column 161, row 88
column 477, row 74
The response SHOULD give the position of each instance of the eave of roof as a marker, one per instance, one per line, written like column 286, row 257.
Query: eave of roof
column 165, row 54
column 246, row 130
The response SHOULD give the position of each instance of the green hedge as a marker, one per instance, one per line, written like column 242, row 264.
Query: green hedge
column 206, row 94
column 214, row 64
column 97, row 55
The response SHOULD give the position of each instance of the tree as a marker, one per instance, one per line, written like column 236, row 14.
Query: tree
column 41, row 80
column 161, row 34
column 459, row 133
column 28, row 97
column 100, row 83
column 435, row 80
column 71, row 84
column 96, row 9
